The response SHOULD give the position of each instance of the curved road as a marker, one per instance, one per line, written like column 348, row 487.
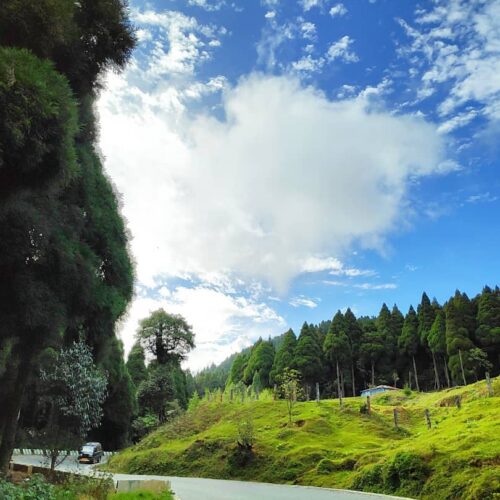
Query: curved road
column 188, row 488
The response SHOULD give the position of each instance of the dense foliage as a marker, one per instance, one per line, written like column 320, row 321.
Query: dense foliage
column 429, row 348
column 65, row 271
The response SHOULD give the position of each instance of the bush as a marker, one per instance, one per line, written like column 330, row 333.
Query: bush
column 406, row 471
column 35, row 488
column 327, row 466
column 407, row 391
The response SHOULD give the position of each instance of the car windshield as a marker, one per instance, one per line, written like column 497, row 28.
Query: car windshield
column 87, row 449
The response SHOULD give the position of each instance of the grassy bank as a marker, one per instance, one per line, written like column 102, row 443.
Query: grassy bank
column 459, row 457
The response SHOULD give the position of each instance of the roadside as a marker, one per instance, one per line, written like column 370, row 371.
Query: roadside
column 188, row 488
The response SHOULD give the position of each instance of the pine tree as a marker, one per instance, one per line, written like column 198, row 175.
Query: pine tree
column 409, row 341
column 284, row 356
column 386, row 331
column 309, row 356
column 437, row 341
column 354, row 334
column 238, row 368
column 136, row 364
column 459, row 327
column 372, row 346
column 488, row 326
column 260, row 360
column 336, row 347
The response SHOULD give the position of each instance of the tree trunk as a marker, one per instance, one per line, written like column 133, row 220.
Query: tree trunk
column 373, row 373
column 436, row 374
column 416, row 376
column 447, row 375
column 462, row 366
column 338, row 384
column 342, row 381
column 353, row 381
column 11, row 408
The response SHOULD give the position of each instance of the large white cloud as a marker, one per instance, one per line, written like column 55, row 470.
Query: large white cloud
column 285, row 175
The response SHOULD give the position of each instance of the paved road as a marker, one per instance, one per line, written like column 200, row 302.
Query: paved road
column 188, row 488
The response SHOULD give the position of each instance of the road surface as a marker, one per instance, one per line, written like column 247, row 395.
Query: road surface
column 188, row 488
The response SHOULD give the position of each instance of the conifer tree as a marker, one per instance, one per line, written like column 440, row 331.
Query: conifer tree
column 336, row 347
column 260, row 360
column 437, row 343
column 284, row 356
column 372, row 346
column 488, row 325
column 408, row 341
column 354, row 334
column 308, row 356
column 238, row 368
column 136, row 364
column 459, row 326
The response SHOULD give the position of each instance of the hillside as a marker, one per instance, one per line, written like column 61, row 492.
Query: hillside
column 459, row 457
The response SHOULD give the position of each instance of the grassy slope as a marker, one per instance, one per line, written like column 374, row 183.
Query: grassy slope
column 326, row 446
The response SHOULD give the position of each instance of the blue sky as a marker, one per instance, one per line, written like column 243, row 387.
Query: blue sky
column 279, row 160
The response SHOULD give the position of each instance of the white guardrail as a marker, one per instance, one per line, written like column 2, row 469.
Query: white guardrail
column 71, row 453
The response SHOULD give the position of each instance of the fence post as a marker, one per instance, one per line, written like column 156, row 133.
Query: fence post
column 317, row 392
column 368, row 405
column 428, row 419
column 458, row 401
column 488, row 383
column 275, row 392
column 396, row 418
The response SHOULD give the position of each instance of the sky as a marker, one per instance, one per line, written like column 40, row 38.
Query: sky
column 279, row 160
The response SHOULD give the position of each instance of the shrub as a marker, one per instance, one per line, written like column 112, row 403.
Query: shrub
column 406, row 471
column 34, row 488
column 327, row 466
column 407, row 391
column 369, row 479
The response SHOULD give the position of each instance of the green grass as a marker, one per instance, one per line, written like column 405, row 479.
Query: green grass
column 458, row 458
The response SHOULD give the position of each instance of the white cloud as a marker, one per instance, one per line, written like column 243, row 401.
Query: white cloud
column 206, row 5
column 308, row 64
column 308, row 30
column 362, row 286
column 341, row 50
column 309, row 4
column 206, row 195
column 460, row 44
column 338, row 9
column 271, row 14
column 303, row 302
column 481, row 198
column 179, row 45
column 222, row 323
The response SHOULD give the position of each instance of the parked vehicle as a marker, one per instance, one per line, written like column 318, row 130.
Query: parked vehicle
column 90, row 453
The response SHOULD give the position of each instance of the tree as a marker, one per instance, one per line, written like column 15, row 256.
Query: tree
column 437, row 341
column 336, row 346
column 460, row 325
column 136, row 364
column 167, row 336
column 308, row 356
column 72, row 398
column 64, row 265
column 260, row 360
column 372, row 346
column 354, row 334
column 154, row 392
column 488, row 326
column 83, row 38
column 238, row 368
column 120, row 405
column 289, row 389
column 409, row 340
column 284, row 356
